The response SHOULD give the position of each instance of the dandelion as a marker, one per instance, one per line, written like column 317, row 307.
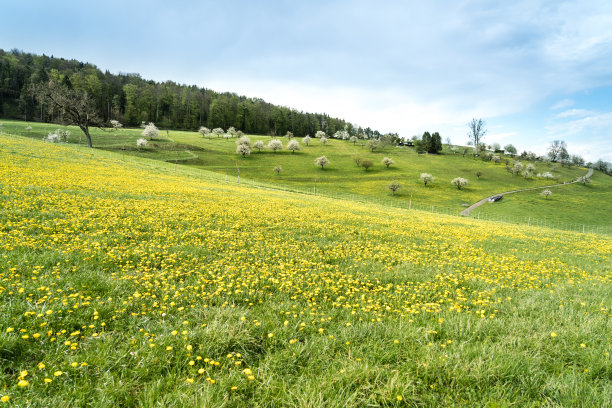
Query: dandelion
column 23, row 383
column 553, row 334
column 58, row 373
column 5, row 398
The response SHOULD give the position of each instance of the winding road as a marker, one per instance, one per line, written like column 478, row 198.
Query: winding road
column 466, row 212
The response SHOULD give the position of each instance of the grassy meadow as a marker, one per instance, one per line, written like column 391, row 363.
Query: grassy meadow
column 131, row 284
column 342, row 178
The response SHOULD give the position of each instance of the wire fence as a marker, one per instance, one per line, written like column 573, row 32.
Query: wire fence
column 320, row 191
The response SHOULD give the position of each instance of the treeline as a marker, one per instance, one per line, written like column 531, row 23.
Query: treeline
column 132, row 100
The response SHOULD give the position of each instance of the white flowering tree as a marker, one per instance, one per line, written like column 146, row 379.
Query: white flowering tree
column 289, row 135
column 243, row 149
column 321, row 161
column 231, row 131
column 394, row 186
column 293, row 145
column 63, row 134
column 141, row 143
column 115, row 124
column 306, row 140
column 427, row 178
column 323, row 140
column 258, row 145
column 204, row 131
column 53, row 138
column 459, row 182
column 387, row 161
column 517, row 168
column 275, row 145
column 218, row 132
column 150, row 131
column 546, row 193
column 244, row 140
column 320, row 134
column 278, row 169
column 353, row 139
column 341, row 134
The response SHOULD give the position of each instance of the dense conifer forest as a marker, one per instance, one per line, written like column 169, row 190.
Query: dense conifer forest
column 132, row 100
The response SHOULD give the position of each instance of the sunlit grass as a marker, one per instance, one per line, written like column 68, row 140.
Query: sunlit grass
column 121, row 285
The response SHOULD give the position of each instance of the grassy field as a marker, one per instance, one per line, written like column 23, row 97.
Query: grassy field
column 124, row 284
column 343, row 178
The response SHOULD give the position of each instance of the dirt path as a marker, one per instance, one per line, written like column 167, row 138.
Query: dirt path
column 466, row 212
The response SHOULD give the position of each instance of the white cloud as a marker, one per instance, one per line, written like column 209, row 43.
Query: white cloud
column 563, row 103
column 574, row 113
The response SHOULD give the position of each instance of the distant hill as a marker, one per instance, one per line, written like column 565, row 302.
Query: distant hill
column 132, row 100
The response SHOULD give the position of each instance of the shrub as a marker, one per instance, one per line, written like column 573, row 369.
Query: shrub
column 387, row 161
column 427, row 178
column 478, row 174
column 459, row 182
column 275, row 145
column 278, row 169
column 115, row 124
column 321, row 161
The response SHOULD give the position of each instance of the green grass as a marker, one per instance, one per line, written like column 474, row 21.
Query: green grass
column 569, row 206
column 363, row 304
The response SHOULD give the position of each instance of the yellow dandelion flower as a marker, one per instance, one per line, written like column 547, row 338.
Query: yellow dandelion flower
column 5, row 398
column 23, row 383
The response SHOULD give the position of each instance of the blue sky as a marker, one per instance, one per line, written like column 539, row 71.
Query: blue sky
column 535, row 71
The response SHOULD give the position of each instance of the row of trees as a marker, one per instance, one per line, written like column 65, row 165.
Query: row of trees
column 131, row 100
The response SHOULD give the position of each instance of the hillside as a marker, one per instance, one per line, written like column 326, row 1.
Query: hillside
column 172, row 288
column 570, row 207
column 132, row 99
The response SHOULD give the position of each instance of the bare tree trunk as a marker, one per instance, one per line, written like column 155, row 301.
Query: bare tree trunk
column 85, row 130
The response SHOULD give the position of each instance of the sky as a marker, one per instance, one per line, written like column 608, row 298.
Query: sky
column 534, row 71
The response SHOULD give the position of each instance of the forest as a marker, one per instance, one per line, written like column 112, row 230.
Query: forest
column 131, row 99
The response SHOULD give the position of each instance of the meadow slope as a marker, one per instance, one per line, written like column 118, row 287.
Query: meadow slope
column 123, row 285
column 342, row 178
